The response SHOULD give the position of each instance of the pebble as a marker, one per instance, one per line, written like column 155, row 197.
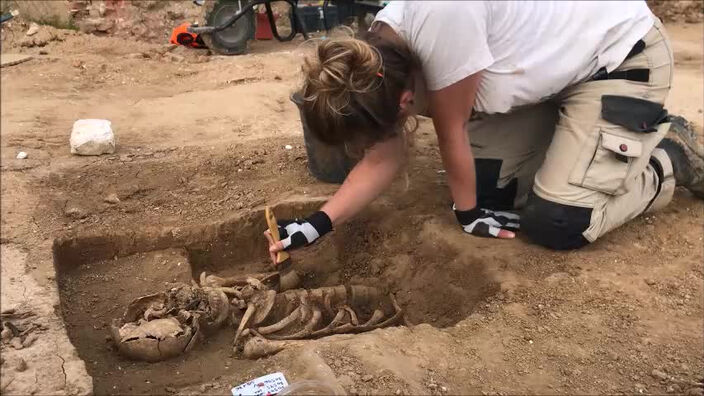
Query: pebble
column 29, row 340
column 659, row 375
column 21, row 155
column 33, row 29
column 20, row 365
column 432, row 385
column 649, row 282
column 6, row 334
column 288, row 147
column 112, row 199
column 76, row 213
column 443, row 389
column 670, row 389
column 16, row 343
column 367, row 378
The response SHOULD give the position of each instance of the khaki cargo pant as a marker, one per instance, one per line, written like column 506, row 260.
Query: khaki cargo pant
column 558, row 160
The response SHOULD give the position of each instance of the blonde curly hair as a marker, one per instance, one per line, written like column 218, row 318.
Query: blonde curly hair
column 352, row 88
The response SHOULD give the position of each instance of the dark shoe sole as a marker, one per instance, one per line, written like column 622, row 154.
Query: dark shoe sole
column 686, row 154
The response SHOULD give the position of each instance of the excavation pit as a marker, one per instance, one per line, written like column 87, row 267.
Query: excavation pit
column 99, row 275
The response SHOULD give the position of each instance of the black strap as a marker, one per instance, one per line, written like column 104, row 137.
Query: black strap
column 637, row 49
column 655, row 163
column 642, row 75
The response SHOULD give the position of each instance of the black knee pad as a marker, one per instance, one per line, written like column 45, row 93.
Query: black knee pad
column 555, row 225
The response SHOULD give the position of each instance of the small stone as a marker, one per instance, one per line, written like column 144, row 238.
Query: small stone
column 398, row 391
column 367, row 378
column 659, row 375
column 21, row 155
column 432, row 385
column 170, row 389
column 649, row 281
column 29, row 340
column 16, row 343
column 670, row 389
column 288, row 147
column 77, row 63
column 75, row 213
column 33, row 29
column 20, row 365
column 6, row 334
column 43, row 52
column 443, row 389
column 112, row 199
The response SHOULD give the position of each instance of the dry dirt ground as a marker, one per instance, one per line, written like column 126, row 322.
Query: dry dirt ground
column 201, row 150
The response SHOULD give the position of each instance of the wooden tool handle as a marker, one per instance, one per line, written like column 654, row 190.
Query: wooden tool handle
column 274, row 230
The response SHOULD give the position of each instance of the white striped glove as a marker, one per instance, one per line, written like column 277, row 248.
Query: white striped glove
column 298, row 233
column 487, row 223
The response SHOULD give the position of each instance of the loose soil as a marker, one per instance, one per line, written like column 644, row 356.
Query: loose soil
column 201, row 149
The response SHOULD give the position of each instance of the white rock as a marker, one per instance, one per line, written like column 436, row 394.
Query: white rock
column 33, row 29
column 21, row 155
column 112, row 199
column 288, row 147
column 92, row 137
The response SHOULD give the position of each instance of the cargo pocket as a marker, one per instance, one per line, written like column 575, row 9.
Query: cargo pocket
column 610, row 164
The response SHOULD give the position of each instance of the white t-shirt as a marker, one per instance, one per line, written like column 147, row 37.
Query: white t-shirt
column 529, row 50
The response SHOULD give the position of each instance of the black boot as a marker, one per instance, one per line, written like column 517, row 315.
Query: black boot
column 686, row 155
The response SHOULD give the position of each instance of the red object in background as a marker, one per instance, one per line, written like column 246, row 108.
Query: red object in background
column 181, row 35
column 263, row 31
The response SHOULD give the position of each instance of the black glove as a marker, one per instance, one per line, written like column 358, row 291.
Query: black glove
column 486, row 223
column 298, row 233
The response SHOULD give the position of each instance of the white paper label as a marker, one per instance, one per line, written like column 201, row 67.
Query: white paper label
column 267, row 385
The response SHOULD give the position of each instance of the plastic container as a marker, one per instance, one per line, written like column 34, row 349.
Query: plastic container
column 330, row 164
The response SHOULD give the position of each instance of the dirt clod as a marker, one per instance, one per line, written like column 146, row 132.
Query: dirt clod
column 112, row 199
column 20, row 365
column 659, row 375
column 76, row 213
column 29, row 340
column 16, row 343
column 6, row 334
